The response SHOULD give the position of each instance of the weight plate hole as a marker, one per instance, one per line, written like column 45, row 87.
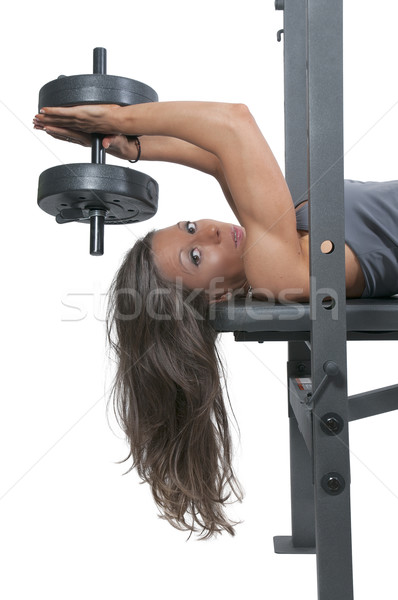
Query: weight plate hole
column 82, row 197
column 64, row 205
column 116, row 200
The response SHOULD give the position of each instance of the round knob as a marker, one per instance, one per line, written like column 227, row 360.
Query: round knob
column 331, row 368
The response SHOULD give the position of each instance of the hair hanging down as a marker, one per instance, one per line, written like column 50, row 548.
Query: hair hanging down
column 167, row 394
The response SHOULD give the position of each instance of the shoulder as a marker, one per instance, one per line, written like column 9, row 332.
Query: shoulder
column 276, row 270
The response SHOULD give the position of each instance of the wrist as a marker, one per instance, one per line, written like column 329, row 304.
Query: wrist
column 116, row 119
column 127, row 119
column 135, row 141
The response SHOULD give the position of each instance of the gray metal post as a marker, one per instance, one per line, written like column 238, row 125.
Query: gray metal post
column 327, row 273
column 314, row 106
column 295, row 86
column 302, row 539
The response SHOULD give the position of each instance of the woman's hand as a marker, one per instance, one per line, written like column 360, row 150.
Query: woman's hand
column 120, row 146
column 66, row 135
column 88, row 118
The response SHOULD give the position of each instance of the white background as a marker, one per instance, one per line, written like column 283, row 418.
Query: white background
column 71, row 526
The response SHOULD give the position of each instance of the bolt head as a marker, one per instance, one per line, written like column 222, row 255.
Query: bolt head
column 333, row 483
column 332, row 423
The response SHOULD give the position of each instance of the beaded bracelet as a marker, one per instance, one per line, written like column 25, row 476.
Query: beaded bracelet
column 138, row 144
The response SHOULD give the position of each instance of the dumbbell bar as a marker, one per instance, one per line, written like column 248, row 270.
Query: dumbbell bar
column 96, row 193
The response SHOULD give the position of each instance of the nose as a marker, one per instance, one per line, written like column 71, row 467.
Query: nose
column 209, row 234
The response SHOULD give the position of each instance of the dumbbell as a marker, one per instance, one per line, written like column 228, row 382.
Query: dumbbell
column 96, row 193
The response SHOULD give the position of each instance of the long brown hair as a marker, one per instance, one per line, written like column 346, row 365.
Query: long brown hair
column 167, row 394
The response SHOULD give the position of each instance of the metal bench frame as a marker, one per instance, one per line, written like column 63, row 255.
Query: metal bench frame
column 317, row 332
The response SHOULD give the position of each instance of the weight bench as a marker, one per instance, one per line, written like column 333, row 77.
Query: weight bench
column 317, row 332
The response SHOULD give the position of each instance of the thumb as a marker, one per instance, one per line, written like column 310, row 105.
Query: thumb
column 108, row 141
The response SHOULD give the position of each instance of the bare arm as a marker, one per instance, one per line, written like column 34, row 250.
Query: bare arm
column 154, row 148
column 226, row 131
column 273, row 252
column 259, row 191
column 161, row 148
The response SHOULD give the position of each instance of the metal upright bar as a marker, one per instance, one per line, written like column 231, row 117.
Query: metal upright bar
column 98, row 154
column 295, row 86
column 327, row 279
column 302, row 540
column 320, row 468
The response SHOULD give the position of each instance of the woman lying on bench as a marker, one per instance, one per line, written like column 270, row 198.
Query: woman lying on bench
column 167, row 388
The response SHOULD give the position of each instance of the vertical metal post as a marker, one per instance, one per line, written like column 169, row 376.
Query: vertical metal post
column 314, row 162
column 295, row 86
column 327, row 279
column 97, row 223
column 301, row 471
column 302, row 539
column 99, row 67
column 97, row 217
column 99, row 61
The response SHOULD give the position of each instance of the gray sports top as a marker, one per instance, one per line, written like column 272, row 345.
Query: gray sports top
column 371, row 231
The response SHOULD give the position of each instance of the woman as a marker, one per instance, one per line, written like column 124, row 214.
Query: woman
column 167, row 389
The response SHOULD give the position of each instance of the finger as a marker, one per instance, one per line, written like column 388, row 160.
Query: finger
column 57, row 116
column 62, row 137
column 74, row 111
column 112, row 141
column 107, row 141
column 42, row 121
column 59, row 111
column 37, row 124
column 77, row 111
column 68, row 135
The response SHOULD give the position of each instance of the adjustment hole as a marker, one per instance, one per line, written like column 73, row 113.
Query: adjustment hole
column 82, row 197
column 328, row 303
column 116, row 200
column 64, row 205
column 327, row 247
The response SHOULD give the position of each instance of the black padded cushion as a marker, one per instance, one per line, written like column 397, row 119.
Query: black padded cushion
column 363, row 315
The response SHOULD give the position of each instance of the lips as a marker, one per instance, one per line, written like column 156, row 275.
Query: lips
column 237, row 235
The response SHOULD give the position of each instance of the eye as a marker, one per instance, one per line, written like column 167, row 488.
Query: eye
column 195, row 256
column 190, row 227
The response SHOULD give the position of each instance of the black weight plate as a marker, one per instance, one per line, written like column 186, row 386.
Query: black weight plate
column 95, row 89
column 129, row 196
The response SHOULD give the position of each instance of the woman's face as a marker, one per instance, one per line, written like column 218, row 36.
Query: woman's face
column 204, row 254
